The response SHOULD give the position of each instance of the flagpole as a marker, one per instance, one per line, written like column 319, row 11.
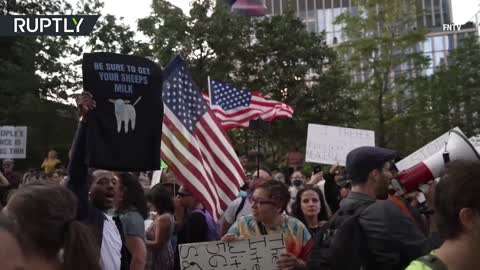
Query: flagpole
column 209, row 91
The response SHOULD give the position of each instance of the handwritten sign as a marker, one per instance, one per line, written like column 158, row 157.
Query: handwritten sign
column 424, row 152
column 13, row 142
column 254, row 253
column 330, row 145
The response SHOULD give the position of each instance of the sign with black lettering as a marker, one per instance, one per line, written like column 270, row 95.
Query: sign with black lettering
column 255, row 253
column 13, row 142
column 330, row 144
column 124, row 131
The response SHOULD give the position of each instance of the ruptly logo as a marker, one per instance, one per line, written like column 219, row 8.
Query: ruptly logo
column 47, row 25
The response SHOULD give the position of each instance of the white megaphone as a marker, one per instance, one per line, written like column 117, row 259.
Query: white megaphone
column 458, row 147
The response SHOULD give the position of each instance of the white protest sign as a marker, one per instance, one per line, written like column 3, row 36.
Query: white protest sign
column 13, row 142
column 475, row 140
column 156, row 176
column 255, row 253
column 424, row 152
column 330, row 145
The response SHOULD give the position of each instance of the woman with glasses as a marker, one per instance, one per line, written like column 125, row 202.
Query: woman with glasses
column 269, row 201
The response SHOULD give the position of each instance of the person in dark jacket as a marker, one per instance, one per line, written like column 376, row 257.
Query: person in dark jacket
column 95, row 193
column 198, row 225
column 393, row 240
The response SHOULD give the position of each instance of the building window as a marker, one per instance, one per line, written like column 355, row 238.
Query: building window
column 321, row 20
column 438, row 43
column 329, row 20
column 428, row 12
column 328, row 4
column 451, row 42
column 276, row 7
column 319, row 4
column 285, row 6
column 427, row 45
column 337, row 3
column 438, row 56
column 446, row 11
column 269, row 6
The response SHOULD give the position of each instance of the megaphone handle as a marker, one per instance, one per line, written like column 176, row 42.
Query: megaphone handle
column 446, row 157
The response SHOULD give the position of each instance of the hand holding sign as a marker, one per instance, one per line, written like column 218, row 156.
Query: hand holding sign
column 230, row 237
column 315, row 178
column 85, row 103
column 288, row 261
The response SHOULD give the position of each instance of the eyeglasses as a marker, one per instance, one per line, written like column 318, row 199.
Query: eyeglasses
column 260, row 201
column 181, row 194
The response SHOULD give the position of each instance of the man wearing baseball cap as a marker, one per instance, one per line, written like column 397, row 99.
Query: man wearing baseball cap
column 392, row 238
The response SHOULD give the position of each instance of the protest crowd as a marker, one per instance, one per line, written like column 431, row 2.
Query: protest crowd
column 70, row 216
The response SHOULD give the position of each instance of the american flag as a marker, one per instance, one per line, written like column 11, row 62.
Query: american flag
column 194, row 145
column 235, row 107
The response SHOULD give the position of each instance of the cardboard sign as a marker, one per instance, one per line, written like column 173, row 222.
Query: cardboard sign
column 330, row 145
column 261, row 252
column 13, row 142
column 424, row 152
column 124, row 130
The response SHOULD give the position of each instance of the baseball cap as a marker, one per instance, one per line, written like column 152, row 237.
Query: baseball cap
column 362, row 160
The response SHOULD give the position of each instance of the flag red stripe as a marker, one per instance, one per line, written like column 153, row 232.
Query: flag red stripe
column 218, row 179
column 184, row 180
column 206, row 144
column 185, row 161
column 222, row 148
column 232, row 156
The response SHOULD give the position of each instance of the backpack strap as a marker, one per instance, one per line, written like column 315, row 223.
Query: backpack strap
column 433, row 262
column 262, row 228
column 240, row 207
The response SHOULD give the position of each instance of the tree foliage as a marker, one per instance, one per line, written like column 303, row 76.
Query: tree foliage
column 380, row 50
column 274, row 55
column 35, row 76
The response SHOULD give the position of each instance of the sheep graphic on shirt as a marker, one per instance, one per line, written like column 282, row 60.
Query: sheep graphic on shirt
column 125, row 113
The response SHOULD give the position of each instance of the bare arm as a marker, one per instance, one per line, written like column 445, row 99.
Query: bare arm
column 3, row 180
column 137, row 248
column 162, row 226
column 225, row 227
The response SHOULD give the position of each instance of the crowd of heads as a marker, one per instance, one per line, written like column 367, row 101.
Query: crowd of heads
column 40, row 223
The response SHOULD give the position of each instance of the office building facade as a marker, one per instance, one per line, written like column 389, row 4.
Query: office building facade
column 320, row 15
